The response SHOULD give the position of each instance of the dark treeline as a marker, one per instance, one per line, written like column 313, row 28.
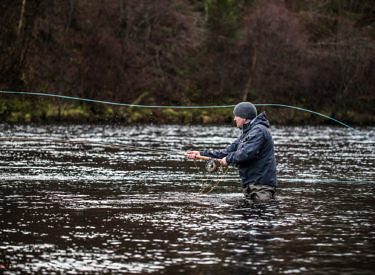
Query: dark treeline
column 314, row 54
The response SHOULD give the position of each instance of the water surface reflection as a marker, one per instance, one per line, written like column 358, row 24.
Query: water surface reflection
column 76, row 208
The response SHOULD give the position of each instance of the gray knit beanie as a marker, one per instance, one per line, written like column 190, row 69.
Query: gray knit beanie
column 245, row 110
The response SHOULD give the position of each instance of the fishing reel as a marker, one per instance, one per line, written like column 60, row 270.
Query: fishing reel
column 211, row 165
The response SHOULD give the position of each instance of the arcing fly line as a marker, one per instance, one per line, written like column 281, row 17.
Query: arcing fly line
column 114, row 103
column 170, row 152
column 178, row 107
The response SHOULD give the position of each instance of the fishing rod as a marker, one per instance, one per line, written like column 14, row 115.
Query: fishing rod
column 108, row 145
column 211, row 165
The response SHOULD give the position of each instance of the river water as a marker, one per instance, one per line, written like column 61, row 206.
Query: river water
column 81, row 208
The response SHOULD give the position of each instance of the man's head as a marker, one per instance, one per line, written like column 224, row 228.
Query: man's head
column 244, row 112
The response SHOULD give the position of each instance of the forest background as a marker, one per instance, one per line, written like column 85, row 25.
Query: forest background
column 314, row 54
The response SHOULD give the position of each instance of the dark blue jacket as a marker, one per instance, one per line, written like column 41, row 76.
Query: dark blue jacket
column 253, row 153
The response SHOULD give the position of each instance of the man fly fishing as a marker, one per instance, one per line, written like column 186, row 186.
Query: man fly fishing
column 252, row 152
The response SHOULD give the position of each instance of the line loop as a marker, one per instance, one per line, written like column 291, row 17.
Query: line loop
column 180, row 107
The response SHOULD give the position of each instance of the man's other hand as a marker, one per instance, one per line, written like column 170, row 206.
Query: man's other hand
column 193, row 154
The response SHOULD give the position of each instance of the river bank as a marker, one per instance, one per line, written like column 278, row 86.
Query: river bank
column 50, row 111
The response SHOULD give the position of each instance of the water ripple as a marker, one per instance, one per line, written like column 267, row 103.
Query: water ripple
column 85, row 209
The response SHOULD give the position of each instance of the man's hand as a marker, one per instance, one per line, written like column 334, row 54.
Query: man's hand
column 193, row 154
column 223, row 161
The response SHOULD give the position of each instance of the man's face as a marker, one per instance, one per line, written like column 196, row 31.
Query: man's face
column 240, row 121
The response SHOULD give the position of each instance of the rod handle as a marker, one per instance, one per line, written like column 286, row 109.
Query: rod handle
column 199, row 157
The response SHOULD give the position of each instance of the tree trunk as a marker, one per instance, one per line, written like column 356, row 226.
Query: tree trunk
column 252, row 72
column 21, row 18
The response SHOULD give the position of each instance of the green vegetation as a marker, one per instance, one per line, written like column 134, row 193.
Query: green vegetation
column 314, row 54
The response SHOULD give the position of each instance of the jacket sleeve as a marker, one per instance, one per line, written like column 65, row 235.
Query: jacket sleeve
column 250, row 149
column 219, row 154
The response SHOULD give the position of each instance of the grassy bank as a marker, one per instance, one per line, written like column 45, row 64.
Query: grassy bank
column 44, row 111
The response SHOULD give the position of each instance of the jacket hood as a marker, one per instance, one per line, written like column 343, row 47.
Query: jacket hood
column 260, row 119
